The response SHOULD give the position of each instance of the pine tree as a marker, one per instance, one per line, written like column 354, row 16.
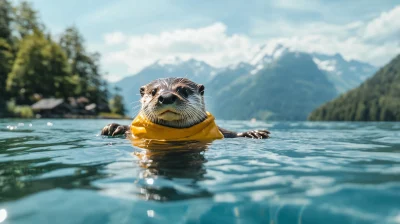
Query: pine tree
column 6, row 11
column 6, row 53
column 40, row 67
column 32, row 63
column 27, row 20
column 84, row 67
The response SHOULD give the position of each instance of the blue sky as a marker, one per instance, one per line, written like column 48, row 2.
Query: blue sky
column 133, row 34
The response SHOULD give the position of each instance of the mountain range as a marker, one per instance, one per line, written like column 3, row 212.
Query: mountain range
column 345, row 75
column 286, row 89
column 376, row 99
column 276, row 84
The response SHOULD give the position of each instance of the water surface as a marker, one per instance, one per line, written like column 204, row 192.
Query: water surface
column 62, row 171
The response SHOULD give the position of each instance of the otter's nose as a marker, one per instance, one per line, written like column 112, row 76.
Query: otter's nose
column 167, row 98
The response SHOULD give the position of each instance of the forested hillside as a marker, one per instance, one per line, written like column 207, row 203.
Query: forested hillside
column 34, row 65
column 377, row 99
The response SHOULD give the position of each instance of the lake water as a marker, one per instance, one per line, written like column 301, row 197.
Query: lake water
column 62, row 171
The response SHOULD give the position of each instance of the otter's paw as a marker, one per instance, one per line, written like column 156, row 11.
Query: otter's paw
column 260, row 134
column 113, row 130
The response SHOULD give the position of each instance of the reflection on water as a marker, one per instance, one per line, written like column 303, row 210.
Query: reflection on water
column 306, row 173
column 173, row 161
column 21, row 178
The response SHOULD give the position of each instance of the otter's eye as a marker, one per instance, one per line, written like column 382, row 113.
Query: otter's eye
column 183, row 91
column 153, row 92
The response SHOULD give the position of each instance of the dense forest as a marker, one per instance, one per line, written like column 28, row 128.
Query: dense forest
column 377, row 99
column 34, row 65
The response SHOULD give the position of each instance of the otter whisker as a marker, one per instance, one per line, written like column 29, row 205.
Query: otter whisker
column 180, row 81
column 137, row 101
column 135, row 107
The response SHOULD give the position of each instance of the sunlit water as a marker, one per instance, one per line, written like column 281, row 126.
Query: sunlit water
column 62, row 171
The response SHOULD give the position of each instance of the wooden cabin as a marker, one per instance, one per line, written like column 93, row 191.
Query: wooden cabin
column 51, row 108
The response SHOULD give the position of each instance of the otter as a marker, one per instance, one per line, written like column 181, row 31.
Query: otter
column 176, row 103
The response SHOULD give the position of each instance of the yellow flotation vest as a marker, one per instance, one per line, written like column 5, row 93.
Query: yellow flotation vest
column 142, row 128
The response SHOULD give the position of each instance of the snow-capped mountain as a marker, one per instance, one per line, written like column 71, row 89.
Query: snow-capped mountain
column 282, row 84
column 192, row 67
column 344, row 74
column 288, row 88
column 267, row 54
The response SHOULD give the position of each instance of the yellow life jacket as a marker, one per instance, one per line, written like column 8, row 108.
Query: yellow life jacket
column 142, row 128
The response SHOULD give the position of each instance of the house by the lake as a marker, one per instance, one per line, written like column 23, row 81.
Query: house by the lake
column 71, row 108
column 51, row 108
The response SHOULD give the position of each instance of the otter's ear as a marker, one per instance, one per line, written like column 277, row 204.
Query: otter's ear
column 142, row 90
column 201, row 90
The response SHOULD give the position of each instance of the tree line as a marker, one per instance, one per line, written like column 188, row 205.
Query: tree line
column 35, row 65
column 377, row 99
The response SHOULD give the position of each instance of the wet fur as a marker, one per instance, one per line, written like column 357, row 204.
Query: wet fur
column 191, row 108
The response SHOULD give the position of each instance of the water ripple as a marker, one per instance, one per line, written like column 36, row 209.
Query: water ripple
column 324, row 172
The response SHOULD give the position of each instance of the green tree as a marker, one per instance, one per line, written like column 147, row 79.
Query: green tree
column 84, row 67
column 117, row 103
column 6, row 58
column 6, row 53
column 32, row 63
column 27, row 20
column 40, row 67
column 6, row 12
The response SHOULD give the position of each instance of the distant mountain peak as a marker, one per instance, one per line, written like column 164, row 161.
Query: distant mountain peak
column 240, row 65
column 339, row 57
column 267, row 53
column 345, row 74
column 325, row 65
column 175, row 61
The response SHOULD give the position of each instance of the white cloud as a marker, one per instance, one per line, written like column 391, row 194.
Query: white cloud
column 282, row 28
column 349, row 48
column 114, row 38
column 210, row 44
column 354, row 25
column 385, row 27
column 375, row 41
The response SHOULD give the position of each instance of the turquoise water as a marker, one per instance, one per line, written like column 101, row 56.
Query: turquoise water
column 62, row 171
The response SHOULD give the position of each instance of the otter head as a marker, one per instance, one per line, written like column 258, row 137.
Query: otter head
column 173, row 102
